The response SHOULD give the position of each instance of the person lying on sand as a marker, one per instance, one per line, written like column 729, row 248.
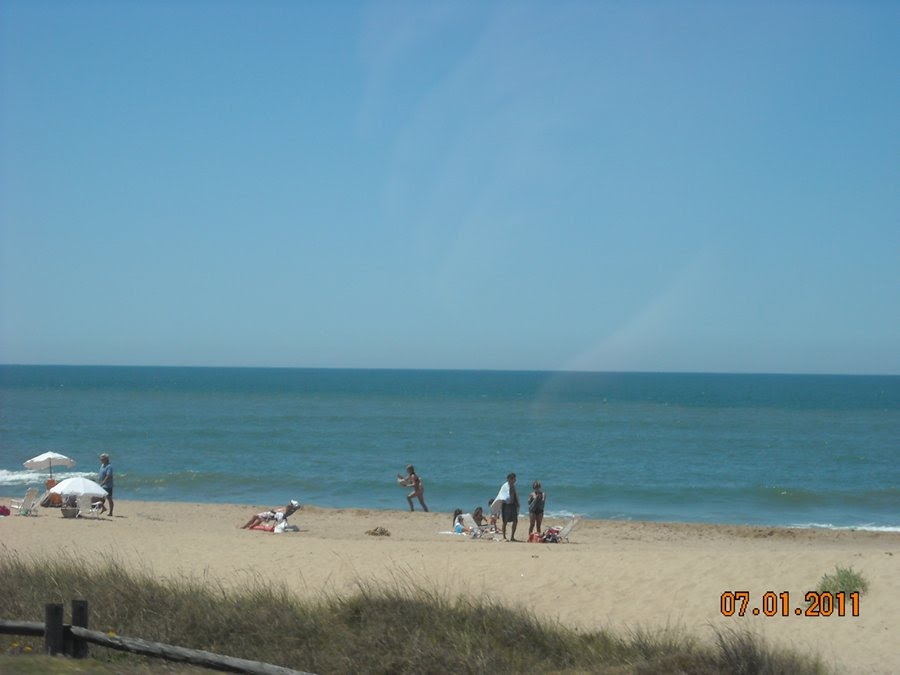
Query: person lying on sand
column 272, row 517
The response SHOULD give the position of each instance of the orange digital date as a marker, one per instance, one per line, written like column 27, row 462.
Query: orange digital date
column 819, row 603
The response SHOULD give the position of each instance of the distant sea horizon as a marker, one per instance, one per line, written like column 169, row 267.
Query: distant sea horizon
column 801, row 450
column 444, row 369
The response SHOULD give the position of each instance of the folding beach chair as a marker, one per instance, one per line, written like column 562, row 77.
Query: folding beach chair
column 567, row 530
column 27, row 506
column 87, row 508
column 554, row 535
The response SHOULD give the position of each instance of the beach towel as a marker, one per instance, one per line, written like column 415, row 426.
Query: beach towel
column 280, row 527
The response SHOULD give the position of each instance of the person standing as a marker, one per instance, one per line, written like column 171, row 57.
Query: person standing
column 536, row 501
column 106, row 482
column 418, row 489
column 510, row 508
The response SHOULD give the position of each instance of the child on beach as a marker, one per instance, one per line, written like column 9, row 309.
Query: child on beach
column 495, row 505
column 536, row 501
column 413, row 481
column 458, row 526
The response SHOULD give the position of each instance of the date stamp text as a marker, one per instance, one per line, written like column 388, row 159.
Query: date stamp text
column 818, row 603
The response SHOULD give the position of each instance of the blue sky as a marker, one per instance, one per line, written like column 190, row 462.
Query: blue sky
column 694, row 186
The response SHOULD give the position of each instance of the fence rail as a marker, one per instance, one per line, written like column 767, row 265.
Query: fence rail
column 34, row 628
column 73, row 639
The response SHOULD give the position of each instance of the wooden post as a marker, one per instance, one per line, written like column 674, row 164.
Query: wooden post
column 79, row 618
column 53, row 628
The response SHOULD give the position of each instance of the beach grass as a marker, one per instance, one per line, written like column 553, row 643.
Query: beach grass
column 844, row 579
column 404, row 628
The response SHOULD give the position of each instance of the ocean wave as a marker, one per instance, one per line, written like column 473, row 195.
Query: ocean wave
column 23, row 478
column 853, row 528
column 561, row 514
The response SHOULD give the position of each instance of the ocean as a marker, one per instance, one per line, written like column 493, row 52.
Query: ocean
column 780, row 450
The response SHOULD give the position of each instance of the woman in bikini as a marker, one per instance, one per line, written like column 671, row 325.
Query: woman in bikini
column 418, row 489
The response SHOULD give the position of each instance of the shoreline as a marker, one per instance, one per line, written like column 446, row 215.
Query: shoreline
column 550, row 514
column 615, row 574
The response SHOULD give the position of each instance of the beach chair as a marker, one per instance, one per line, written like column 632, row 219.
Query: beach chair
column 555, row 535
column 567, row 530
column 50, row 499
column 87, row 508
column 27, row 506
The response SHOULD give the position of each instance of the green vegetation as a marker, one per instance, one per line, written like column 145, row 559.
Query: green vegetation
column 49, row 665
column 844, row 579
column 392, row 630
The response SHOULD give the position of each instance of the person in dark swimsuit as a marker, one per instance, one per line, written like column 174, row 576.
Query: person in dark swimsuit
column 536, row 501
column 418, row 489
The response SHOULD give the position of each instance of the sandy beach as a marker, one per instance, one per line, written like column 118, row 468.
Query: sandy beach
column 612, row 574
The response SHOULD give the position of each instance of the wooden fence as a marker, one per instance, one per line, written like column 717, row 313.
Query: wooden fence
column 73, row 640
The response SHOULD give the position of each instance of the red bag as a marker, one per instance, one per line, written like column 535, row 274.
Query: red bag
column 534, row 538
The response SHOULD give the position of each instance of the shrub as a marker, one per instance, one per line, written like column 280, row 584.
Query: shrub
column 844, row 579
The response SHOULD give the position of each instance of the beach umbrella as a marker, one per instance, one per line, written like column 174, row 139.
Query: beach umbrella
column 78, row 486
column 47, row 460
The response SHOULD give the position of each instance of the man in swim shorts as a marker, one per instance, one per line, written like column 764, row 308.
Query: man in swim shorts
column 510, row 508
column 106, row 482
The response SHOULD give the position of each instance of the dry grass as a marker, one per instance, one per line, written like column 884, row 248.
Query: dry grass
column 377, row 630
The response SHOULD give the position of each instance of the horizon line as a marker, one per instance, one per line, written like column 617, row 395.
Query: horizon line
column 453, row 370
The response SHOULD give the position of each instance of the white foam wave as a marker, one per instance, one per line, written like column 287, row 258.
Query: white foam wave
column 868, row 527
column 558, row 514
column 34, row 477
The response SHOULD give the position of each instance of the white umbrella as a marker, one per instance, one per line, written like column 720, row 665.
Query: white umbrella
column 47, row 460
column 78, row 486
